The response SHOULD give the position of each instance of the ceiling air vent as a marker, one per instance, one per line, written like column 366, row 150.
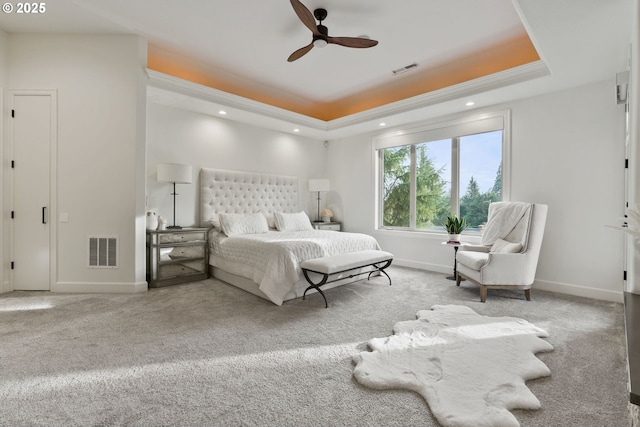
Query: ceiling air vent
column 103, row 252
column 404, row 69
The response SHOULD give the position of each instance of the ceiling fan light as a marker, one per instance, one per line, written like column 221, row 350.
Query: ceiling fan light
column 320, row 42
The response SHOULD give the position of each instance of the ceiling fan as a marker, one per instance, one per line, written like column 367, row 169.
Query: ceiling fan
column 321, row 36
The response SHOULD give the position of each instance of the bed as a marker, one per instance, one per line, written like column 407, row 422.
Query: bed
column 258, row 235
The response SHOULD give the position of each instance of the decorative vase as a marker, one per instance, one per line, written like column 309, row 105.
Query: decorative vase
column 152, row 221
column 162, row 223
column 326, row 219
column 454, row 237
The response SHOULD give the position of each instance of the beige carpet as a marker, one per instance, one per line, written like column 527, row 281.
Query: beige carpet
column 207, row 353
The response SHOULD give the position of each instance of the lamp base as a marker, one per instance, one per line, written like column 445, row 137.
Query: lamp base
column 174, row 227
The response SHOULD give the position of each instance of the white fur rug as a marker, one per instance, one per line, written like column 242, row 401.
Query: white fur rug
column 471, row 369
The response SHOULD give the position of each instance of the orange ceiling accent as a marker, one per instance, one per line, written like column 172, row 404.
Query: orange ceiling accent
column 506, row 55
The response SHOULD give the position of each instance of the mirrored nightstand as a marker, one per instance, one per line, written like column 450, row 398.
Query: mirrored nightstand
column 333, row 226
column 176, row 256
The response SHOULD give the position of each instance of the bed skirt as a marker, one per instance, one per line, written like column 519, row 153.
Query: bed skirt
column 297, row 291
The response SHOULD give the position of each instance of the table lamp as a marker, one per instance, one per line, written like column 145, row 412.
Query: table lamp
column 177, row 174
column 318, row 185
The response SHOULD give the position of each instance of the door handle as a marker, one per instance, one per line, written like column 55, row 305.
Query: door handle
column 44, row 214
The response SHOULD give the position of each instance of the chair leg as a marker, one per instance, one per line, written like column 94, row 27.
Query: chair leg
column 527, row 294
column 483, row 293
column 458, row 278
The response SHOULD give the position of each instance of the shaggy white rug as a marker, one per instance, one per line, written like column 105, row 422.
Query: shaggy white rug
column 471, row 369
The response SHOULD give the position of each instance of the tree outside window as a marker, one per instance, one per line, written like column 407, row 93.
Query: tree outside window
column 419, row 179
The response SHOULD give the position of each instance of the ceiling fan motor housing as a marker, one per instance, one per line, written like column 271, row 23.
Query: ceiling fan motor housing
column 322, row 39
column 320, row 14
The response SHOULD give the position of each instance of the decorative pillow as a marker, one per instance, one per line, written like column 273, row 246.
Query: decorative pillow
column 214, row 221
column 236, row 224
column 271, row 220
column 292, row 221
column 506, row 247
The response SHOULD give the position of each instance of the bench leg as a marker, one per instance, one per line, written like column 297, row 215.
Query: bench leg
column 381, row 270
column 316, row 286
column 379, row 266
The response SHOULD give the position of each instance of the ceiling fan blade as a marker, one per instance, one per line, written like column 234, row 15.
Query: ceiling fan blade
column 358, row 42
column 300, row 52
column 305, row 15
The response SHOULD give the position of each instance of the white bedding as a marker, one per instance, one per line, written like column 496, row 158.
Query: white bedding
column 272, row 259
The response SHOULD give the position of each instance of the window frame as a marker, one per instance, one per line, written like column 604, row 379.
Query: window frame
column 450, row 127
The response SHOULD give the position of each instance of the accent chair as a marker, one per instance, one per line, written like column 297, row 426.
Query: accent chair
column 507, row 257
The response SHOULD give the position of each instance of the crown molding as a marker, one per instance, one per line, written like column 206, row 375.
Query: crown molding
column 229, row 100
column 483, row 84
column 275, row 118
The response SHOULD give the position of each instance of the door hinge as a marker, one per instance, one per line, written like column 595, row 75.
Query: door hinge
column 624, row 275
column 13, row 214
column 13, row 164
column 13, row 113
column 626, row 163
column 12, row 265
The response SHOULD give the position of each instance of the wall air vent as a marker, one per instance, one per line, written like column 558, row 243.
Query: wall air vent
column 404, row 69
column 103, row 252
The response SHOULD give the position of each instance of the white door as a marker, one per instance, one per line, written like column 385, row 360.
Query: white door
column 32, row 134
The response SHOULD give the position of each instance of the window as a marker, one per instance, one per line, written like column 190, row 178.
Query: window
column 453, row 167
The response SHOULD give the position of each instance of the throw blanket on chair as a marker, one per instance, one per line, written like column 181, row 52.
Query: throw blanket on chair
column 504, row 218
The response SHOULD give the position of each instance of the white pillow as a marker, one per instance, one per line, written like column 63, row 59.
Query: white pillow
column 506, row 247
column 271, row 220
column 214, row 221
column 236, row 224
column 292, row 221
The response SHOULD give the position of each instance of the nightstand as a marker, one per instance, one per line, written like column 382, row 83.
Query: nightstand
column 176, row 256
column 333, row 226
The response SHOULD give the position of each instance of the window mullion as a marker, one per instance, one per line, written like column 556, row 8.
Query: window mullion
column 455, row 176
column 413, row 190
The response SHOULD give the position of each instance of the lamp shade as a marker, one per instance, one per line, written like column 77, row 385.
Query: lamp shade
column 319, row 185
column 174, row 172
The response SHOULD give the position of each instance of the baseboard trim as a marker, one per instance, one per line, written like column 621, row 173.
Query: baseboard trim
column 578, row 290
column 542, row 285
column 100, row 287
column 436, row 268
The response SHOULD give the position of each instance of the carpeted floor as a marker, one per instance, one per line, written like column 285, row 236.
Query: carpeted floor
column 209, row 354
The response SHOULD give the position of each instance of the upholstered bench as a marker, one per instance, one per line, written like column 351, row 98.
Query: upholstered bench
column 338, row 264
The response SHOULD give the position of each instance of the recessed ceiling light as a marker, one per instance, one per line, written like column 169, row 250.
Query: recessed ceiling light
column 383, row 124
column 470, row 104
column 296, row 130
column 222, row 112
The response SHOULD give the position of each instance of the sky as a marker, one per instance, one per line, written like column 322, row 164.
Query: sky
column 480, row 157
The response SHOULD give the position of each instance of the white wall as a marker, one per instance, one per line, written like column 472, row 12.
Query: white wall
column 567, row 151
column 5, row 284
column 4, row 59
column 178, row 136
column 101, row 135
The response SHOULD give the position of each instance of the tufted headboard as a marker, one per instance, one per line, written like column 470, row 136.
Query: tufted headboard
column 223, row 191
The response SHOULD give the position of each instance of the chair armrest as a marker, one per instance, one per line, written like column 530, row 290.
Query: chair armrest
column 508, row 268
column 474, row 248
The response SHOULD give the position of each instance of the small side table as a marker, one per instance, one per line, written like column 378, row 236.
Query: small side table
column 176, row 256
column 455, row 245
